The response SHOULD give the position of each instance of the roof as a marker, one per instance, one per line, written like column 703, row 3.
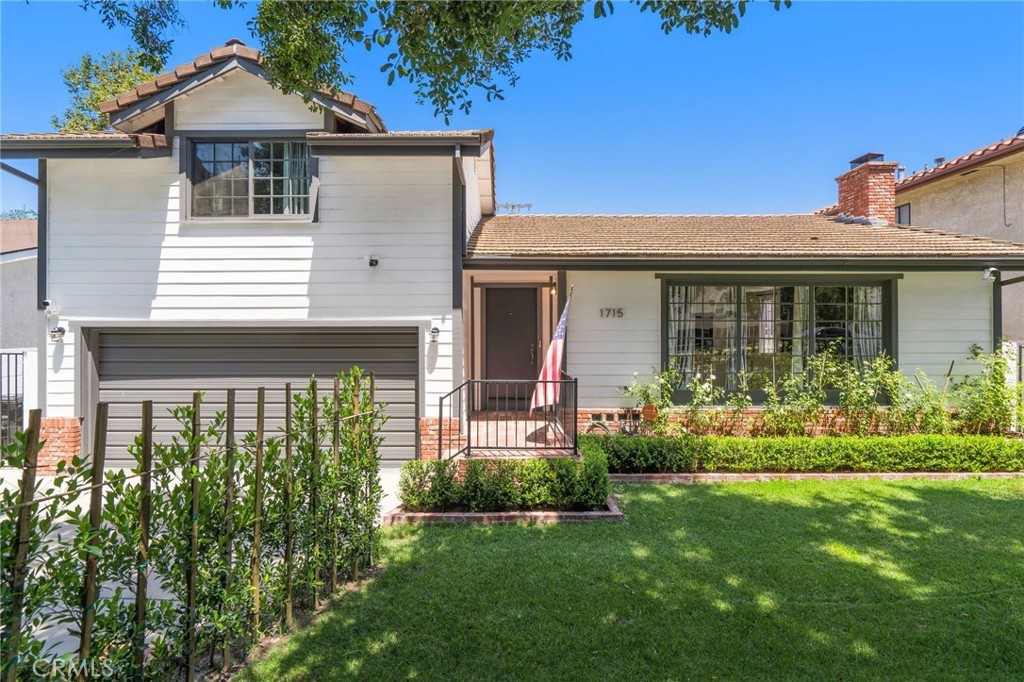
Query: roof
column 1010, row 145
column 480, row 136
column 232, row 49
column 96, row 138
column 717, row 237
column 18, row 235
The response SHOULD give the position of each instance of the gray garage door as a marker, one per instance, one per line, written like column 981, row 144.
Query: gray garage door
column 166, row 366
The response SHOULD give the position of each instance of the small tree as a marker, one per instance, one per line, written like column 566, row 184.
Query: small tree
column 95, row 80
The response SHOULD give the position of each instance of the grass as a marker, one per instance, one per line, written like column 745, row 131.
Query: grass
column 783, row 580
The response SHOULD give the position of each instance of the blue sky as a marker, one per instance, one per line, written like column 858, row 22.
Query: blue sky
column 759, row 121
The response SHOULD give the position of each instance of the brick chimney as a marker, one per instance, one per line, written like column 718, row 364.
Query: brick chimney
column 868, row 189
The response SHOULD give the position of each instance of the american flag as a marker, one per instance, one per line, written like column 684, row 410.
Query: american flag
column 547, row 390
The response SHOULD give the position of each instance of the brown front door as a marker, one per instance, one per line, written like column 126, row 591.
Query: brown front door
column 510, row 334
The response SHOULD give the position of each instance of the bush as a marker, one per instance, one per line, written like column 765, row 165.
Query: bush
column 430, row 485
column 561, row 483
column 638, row 454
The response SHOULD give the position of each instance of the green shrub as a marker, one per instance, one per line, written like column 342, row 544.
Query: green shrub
column 498, row 485
column 638, row 454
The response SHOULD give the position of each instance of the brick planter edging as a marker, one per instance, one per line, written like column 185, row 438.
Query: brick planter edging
column 398, row 517
column 716, row 477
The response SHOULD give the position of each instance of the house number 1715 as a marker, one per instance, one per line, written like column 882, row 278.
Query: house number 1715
column 611, row 312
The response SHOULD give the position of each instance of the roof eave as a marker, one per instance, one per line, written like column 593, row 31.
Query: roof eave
column 765, row 263
column 958, row 169
column 70, row 148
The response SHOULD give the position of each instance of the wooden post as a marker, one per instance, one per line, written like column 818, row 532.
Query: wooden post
column 229, row 521
column 315, row 493
column 261, row 397
column 142, row 556
column 288, row 541
column 372, row 408
column 193, row 552
column 336, row 443
column 19, row 560
column 356, row 388
column 99, row 447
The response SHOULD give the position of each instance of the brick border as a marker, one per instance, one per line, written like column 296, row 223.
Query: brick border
column 763, row 477
column 398, row 517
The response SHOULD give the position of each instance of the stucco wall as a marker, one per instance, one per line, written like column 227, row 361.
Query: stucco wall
column 22, row 323
column 975, row 204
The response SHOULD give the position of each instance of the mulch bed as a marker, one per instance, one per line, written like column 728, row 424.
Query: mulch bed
column 399, row 516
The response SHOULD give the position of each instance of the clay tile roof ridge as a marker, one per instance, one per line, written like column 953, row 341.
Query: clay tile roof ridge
column 969, row 156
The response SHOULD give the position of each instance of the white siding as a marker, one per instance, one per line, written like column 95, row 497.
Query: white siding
column 121, row 257
column 603, row 352
column 941, row 315
column 241, row 100
column 469, row 165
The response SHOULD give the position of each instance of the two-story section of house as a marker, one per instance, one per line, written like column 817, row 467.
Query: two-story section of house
column 226, row 235
column 982, row 193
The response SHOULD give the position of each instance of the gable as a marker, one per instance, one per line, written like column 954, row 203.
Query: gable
column 243, row 100
column 151, row 107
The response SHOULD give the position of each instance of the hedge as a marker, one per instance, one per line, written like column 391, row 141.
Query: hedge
column 561, row 483
column 684, row 454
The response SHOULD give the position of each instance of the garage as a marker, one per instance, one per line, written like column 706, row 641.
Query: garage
column 167, row 365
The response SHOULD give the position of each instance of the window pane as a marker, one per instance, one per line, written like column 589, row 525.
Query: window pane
column 774, row 334
column 261, row 205
column 220, row 177
column 702, row 331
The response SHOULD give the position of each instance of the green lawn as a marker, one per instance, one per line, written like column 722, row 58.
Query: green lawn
column 783, row 580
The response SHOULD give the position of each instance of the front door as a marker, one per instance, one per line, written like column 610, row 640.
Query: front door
column 511, row 339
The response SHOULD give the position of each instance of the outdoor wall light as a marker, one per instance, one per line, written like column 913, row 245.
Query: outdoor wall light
column 372, row 260
column 435, row 333
column 57, row 334
column 990, row 274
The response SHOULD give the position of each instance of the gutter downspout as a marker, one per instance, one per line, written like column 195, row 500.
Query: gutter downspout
column 42, row 211
column 458, row 226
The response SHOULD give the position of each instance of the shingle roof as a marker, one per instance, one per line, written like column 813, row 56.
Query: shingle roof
column 140, row 140
column 1010, row 145
column 232, row 49
column 721, row 237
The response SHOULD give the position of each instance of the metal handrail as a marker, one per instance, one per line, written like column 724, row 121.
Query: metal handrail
column 493, row 416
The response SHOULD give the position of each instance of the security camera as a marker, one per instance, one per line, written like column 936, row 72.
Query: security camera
column 372, row 261
column 46, row 303
column 990, row 274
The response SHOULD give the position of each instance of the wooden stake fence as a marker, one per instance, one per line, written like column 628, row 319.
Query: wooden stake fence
column 336, row 443
column 193, row 552
column 288, row 541
column 356, row 390
column 142, row 556
column 99, row 448
column 315, row 494
column 19, row 560
column 229, row 521
column 261, row 398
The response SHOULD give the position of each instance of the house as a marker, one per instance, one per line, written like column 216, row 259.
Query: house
column 22, row 328
column 979, row 193
column 228, row 235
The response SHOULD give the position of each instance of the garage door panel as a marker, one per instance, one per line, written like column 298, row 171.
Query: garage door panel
column 162, row 366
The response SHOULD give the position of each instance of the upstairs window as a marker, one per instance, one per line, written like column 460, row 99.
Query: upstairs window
column 239, row 179
column 903, row 214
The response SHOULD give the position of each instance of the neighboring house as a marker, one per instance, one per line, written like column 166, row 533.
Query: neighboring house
column 228, row 235
column 980, row 193
column 21, row 325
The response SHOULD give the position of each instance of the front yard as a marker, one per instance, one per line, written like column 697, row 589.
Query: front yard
column 783, row 580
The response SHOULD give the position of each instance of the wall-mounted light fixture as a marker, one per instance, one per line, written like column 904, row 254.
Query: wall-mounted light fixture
column 990, row 274
column 372, row 260
column 57, row 334
column 435, row 333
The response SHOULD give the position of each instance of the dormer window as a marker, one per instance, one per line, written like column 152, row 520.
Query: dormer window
column 239, row 179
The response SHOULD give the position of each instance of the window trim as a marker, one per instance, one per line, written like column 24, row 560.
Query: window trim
column 890, row 303
column 186, row 175
column 909, row 219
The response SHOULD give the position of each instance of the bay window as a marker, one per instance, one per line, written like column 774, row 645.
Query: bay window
column 766, row 331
